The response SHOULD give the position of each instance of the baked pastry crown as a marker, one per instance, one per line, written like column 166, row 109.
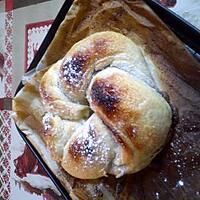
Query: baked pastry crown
column 104, row 114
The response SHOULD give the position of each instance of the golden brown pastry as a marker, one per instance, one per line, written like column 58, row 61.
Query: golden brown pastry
column 131, row 119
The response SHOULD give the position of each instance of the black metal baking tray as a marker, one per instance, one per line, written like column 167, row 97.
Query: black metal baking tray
column 184, row 30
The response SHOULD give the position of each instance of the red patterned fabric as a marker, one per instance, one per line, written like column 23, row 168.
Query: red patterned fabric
column 5, row 116
column 5, row 156
column 8, row 53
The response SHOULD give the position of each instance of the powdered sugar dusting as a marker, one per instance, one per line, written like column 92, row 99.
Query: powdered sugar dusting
column 90, row 147
column 46, row 121
column 185, row 146
column 72, row 69
column 157, row 195
column 180, row 183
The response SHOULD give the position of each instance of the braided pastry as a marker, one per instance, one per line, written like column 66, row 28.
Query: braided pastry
column 107, row 116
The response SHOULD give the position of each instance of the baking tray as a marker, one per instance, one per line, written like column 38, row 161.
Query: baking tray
column 184, row 30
